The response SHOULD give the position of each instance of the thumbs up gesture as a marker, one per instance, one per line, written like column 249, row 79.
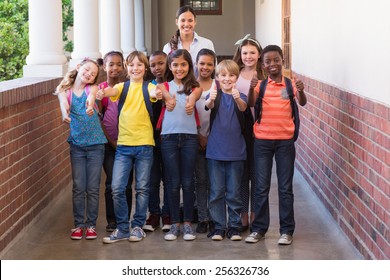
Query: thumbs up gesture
column 213, row 93
column 89, row 107
column 170, row 103
column 189, row 105
column 299, row 84
column 235, row 92
column 254, row 80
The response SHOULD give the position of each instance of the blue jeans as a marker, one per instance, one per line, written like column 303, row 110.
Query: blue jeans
column 108, row 166
column 86, row 165
column 202, row 186
column 156, row 176
column 284, row 152
column 225, row 180
column 179, row 156
column 127, row 157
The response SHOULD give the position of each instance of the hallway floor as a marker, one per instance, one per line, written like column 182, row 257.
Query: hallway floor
column 317, row 237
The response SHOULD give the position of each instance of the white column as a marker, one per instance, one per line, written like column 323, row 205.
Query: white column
column 86, row 31
column 140, row 24
column 127, row 26
column 110, row 39
column 46, row 57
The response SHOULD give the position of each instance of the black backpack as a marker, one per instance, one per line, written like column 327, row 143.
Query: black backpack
column 214, row 110
column 293, row 103
column 145, row 92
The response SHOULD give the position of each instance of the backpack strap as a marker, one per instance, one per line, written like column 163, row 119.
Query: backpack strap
column 259, row 100
column 69, row 95
column 145, row 93
column 123, row 96
column 163, row 109
column 217, row 101
column 294, row 107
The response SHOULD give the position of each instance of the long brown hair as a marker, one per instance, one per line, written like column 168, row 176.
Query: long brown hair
column 238, row 60
column 188, row 81
column 173, row 43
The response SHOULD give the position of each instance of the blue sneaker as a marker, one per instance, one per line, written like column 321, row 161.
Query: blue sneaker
column 173, row 233
column 116, row 236
column 137, row 234
column 188, row 233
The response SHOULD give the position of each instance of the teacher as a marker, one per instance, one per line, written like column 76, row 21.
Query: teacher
column 185, row 36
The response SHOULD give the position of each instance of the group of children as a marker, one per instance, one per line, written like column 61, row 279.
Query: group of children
column 193, row 133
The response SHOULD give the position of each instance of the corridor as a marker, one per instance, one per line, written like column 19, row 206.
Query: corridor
column 317, row 237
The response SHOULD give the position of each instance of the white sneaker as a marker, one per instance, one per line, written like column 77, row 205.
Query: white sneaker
column 254, row 237
column 285, row 239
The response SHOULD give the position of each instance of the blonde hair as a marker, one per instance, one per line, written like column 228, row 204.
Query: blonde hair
column 227, row 65
column 68, row 81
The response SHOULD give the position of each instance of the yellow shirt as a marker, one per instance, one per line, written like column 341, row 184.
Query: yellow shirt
column 135, row 128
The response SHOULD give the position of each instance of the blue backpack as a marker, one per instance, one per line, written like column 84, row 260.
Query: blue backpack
column 293, row 103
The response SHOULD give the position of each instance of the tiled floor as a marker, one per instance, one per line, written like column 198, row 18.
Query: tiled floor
column 317, row 237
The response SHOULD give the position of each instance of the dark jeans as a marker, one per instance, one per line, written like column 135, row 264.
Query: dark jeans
column 179, row 156
column 284, row 152
column 108, row 166
column 156, row 176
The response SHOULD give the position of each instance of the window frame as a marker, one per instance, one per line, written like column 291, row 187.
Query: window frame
column 200, row 12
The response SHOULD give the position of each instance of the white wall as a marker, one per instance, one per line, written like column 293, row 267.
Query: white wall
column 345, row 43
column 268, row 22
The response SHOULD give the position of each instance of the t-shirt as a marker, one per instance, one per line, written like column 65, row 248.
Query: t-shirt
column 276, row 121
column 177, row 121
column 135, row 128
column 225, row 141
column 110, row 120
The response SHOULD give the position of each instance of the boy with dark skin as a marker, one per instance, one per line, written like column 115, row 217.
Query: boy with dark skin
column 274, row 138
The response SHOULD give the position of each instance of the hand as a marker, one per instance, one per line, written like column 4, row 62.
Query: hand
column 100, row 94
column 171, row 103
column 189, row 105
column 158, row 93
column 299, row 84
column 65, row 113
column 213, row 93
column 254, row 80
column 89, row 110
column 202, row 141
column 235, row 92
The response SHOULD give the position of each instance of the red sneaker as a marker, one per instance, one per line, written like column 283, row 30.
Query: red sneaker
column 90, row 233
column 152, row 223
column 76, row 233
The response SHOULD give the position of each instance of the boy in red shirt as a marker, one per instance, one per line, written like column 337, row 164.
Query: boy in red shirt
column 274, row 136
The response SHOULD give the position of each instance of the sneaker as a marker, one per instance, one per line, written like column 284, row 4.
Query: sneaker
column 202, row 227
column 173, row 233
column 90, row 233
column 285, row 239
column 116, row 236
column 188, row 233
column 76, row 233
column 254, row 237
column 137, row 234
column 152, row 223
column 111, row 227
column 234, row 234
column 166, row 223
column 217, row 235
